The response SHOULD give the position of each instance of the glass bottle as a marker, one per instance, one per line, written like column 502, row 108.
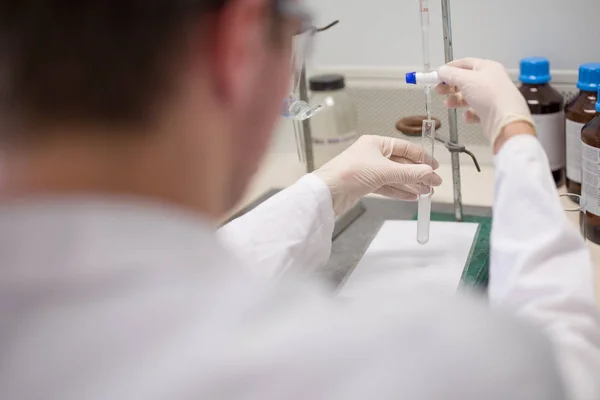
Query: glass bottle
column 547, row 108
column 580, row 111
column 334, row 128
column 590, row 164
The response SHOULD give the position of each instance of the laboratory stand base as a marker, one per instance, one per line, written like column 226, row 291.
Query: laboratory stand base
column 350, row 246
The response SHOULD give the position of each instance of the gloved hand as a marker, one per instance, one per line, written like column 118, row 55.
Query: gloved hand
column 376, row 164
column 485, row 87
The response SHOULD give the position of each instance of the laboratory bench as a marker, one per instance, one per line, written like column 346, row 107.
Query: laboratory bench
column 282, row 169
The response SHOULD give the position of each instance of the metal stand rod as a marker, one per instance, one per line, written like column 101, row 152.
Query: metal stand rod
column 306, row 131
column 452, row 116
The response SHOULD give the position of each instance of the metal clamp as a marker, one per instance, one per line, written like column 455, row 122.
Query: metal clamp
column 457, row 148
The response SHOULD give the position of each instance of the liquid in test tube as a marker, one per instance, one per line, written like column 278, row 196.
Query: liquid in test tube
column 424, row 218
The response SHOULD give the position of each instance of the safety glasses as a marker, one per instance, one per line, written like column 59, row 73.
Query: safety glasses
column 293, row 107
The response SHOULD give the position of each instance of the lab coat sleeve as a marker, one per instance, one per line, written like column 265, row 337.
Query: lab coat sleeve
column 290, row 233
column 540, row 265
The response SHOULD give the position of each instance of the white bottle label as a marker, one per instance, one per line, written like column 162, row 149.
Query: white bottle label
column 324, row 149
column 573, row 136
column 551, row 134
column 590, row 163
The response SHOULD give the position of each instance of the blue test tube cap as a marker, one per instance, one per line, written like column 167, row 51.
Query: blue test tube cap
column 411, row 78
column 598, row 101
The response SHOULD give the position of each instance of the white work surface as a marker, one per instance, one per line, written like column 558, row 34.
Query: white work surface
column 394, row 259
column 282, row 169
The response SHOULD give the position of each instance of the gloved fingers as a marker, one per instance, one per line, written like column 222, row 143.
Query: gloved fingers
column 427, row 159
column 445, row 89
column 395, row 193
column 409, row 151
column 404, row 192
column 456, row 100
column 424, row 189
column 455, row 76
column 464, row 63
column 430, row 180
column 471, row 117
column 414, row 189
column 396, row 174
column 392, row 147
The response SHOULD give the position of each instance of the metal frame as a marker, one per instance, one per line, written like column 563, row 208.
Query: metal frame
column 452, row 115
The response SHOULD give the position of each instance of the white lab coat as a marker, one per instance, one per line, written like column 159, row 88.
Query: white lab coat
column 113, row 299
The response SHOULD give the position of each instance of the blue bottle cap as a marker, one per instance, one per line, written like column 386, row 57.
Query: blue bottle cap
column 411, row 78
column 589, row 77
column 598, row 101
column 535, row 70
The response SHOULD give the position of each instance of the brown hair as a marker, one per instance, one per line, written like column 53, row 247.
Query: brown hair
column 90, row 60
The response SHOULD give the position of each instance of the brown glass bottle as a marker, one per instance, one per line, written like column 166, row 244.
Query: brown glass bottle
column 590, row 165
column 547, row 108
column 580, row 111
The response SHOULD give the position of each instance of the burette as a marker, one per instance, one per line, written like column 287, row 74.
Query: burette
column 428, row 134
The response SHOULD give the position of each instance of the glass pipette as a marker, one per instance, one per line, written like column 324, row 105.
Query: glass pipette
column 427, row 136
column 424, row 8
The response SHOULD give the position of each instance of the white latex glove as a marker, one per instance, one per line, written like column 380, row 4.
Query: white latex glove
column 485, row 87
column 376, row 164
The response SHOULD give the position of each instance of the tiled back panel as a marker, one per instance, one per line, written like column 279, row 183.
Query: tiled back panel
column 379, row 108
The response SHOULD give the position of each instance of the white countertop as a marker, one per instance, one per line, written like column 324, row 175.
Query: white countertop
column 282, row 169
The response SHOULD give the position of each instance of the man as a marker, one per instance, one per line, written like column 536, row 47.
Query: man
column 131, row 126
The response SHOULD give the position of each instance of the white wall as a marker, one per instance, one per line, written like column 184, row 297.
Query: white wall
column 386, row 33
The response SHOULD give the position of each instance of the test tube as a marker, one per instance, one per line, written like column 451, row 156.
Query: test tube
column 425, row 192
column 428, row 133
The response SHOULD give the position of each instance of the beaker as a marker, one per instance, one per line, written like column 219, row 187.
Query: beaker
column 574, row 206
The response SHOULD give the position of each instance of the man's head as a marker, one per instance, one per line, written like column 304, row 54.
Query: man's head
column 193, row 84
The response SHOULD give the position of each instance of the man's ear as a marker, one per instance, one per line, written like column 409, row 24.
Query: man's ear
column 236, row 49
